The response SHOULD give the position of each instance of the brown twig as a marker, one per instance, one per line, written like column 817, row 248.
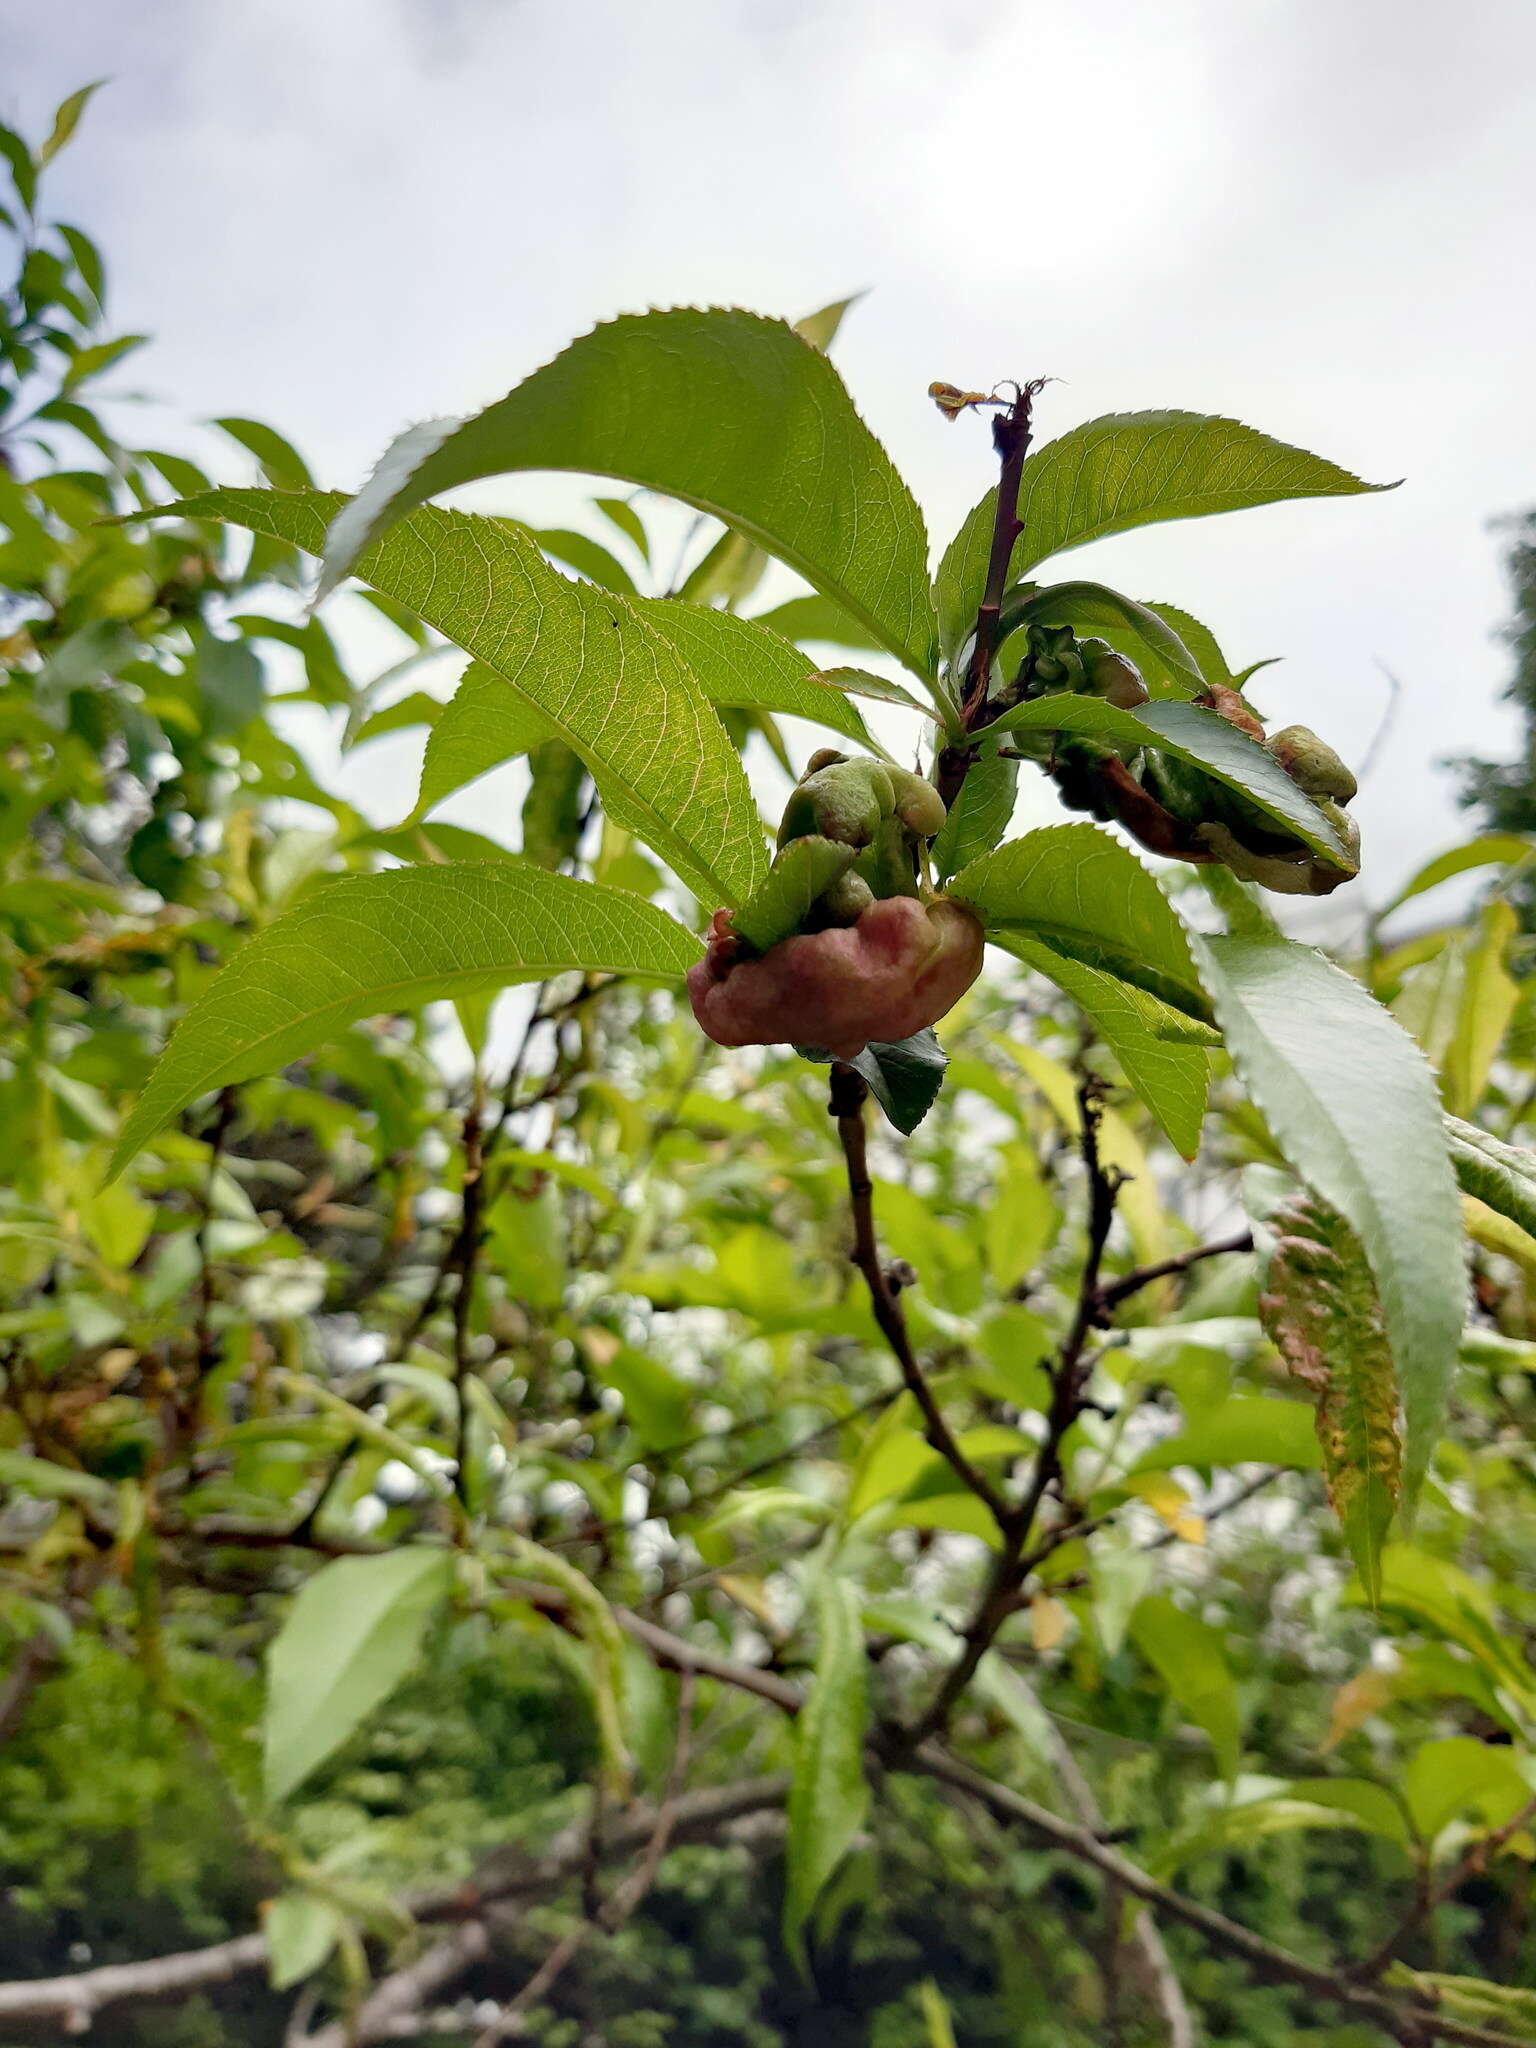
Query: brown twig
column 1114, row 1292
column 35, row 1659
column 466, row 1262
column 1011, row 431
column 1429, row 1897
column 846, row 1103
column 627, row 1897
column 1014, row 1560
column 205, row 1350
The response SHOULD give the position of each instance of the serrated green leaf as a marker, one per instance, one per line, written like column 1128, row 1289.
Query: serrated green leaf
column 779, row 903
column 1170, row 1074
column 742, row 663
column 1084, row 895
column 1200, row 641
column 829, row 1796
column 1354, row 1108
column 482, row 725
column 1186, row 732
column 736, row 415
column 736, row 663
column 904, row 1075
column 352, row 1634
column 393, row 941
column 1126, row 470
column 979, row 816
column 858, row 682
column 588, row 662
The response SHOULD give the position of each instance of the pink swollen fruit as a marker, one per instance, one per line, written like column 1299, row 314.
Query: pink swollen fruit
column 902, row 966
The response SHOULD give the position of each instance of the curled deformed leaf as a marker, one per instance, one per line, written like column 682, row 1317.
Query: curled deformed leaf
column 1324, row 1316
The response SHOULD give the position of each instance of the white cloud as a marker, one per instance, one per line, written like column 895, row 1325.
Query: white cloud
column 345, row 216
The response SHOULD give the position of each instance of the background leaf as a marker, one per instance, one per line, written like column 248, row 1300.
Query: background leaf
column 1189, row 1657
column 1126, row 470
column 393, row 941
column 829, row 1795
column 1170, row 1074
column 352, row 1634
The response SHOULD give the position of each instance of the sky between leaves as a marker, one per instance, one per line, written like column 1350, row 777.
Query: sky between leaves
column 342, row 218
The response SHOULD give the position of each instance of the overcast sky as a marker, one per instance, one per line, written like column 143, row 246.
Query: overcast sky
column 1315, row 215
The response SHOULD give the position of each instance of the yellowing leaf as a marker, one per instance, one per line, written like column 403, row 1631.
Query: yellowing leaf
column 1049, row 1620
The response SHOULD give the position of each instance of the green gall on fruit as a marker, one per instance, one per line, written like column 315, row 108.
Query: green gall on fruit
column 1111, row 676
column 846, row 901
column 841, row 799
column 918, row 804
column 1312, row 764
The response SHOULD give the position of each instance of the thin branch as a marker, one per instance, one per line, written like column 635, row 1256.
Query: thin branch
column 1114, row 1292
column 1011, row 431
column 626, row 1899
column 466, row 1261
column 1429, row 1897
column 72, row 2003
column 846, row 1103
column 1266, row 1959
column 1014, row 1561
column 205, row 1350
column 35, row 1659
column 1152, row 1964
